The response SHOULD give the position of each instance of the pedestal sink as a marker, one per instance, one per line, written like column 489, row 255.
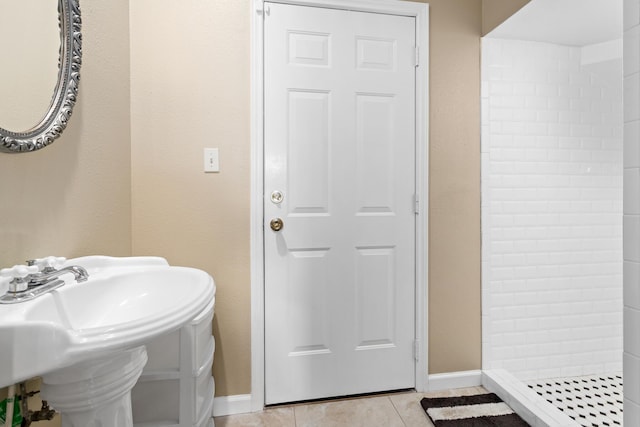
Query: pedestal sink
column 86, row 340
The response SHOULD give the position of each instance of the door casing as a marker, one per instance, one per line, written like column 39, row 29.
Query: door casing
column 390, row 7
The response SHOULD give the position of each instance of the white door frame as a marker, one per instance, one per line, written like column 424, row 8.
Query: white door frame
column 391, row 7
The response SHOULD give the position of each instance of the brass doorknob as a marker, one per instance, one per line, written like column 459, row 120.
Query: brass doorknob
column 276, row 224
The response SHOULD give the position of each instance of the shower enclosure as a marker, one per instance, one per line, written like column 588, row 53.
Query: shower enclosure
column 552, row 202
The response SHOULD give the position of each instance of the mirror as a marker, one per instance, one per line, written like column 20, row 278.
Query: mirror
column 40, row 72
column 25, row 90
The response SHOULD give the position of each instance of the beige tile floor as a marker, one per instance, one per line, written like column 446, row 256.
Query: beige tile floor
column 391, row 410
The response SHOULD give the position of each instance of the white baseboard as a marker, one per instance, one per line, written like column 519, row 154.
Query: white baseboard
column 241, row 403
column 451, row 380
column 231, row 405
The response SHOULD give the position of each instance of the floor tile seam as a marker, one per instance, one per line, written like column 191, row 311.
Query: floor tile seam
column 295, row 417
column 395, row 408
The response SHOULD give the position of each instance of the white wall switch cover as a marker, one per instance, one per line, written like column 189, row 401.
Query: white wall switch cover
column 211, row 160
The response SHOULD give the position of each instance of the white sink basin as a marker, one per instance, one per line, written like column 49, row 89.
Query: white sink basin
column 125, row 303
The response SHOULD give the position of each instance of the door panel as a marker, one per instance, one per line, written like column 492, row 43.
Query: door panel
column 375, row 153
column 375, row 298
column 340, row 146
column 308, row 305
column 308, row 151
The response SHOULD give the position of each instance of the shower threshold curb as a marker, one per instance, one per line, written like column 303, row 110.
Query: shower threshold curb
column 525, row 402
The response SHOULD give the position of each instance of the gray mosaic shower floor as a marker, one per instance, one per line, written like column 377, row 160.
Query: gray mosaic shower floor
column 592, row 401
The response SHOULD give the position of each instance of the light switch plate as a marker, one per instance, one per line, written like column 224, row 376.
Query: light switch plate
column 211, row 160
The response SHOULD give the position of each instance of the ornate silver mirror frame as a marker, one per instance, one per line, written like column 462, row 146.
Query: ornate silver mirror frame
column 64, row 97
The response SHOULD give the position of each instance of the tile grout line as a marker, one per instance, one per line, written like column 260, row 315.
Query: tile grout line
column 295, row 418
column 397, row 411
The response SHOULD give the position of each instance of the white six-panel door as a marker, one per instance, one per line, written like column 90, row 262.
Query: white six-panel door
column 339, row 159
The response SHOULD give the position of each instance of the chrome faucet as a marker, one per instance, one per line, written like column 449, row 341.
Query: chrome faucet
column 38, row 277
column 49, row 274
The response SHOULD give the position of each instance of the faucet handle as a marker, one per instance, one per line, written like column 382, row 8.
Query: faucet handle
column 18, row 271
column 4, row 285
column 17, row 274
column 47, row 264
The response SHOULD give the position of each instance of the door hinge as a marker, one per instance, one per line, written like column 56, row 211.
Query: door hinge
column 417, row 56
column 263, row 9
column 416, row 350
column 416, row 204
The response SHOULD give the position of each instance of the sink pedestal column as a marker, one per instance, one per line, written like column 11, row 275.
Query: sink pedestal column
column 96, row 393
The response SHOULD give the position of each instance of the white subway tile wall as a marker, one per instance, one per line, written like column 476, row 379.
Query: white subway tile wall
column 631, row 212
column 552, row 210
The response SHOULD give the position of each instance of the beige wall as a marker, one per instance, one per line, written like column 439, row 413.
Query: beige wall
column 73, row 197
column 454, row 187
column 190, row 90
column 495, row 12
